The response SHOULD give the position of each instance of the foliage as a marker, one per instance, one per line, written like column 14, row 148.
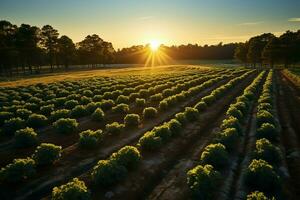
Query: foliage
column 12, row 125
column 127, row 156
column 65, row 126
column 25, row 137
column 215, row 155
column 73, row 190
column 265, row 150
column 203, row 181
column 191, row 114
column 260, row 175
column 98, row 115
column 18, row 170
column 114, row 128
column 268, row 131
column 228, row 137
column 131, row 120
column 256, row 195
column 149, row 113
column 37, row 120
column 107, row 173
column 89, row 138
column 46, row 154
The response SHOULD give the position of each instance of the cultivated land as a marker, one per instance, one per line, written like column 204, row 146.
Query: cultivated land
column 172, row 132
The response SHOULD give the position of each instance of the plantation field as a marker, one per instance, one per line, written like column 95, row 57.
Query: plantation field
column 170, row 132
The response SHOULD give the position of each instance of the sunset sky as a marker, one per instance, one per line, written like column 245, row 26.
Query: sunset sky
column 130, row 22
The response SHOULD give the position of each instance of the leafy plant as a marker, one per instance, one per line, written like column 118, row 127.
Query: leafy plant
column 215, row 155
column 203, row 181
column 25, row 137
column 65, row 126
column 18, row 170
column 73, row 190
column 46, row 154
column 89, row 138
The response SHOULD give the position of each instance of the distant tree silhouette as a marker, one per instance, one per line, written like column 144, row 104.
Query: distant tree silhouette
column 66, row 50
column 49, row 40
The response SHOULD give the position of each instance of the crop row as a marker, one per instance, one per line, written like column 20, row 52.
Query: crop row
column 108, row 172
column 204, row 179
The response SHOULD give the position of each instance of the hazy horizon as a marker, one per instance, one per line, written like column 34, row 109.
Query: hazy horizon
column 127, row 23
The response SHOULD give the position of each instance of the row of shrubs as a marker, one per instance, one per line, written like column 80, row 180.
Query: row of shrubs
column 261, row 174
column 25, row 168
column 159, row 135
column 76, row 97
column 104, row 174
column 37, row 120
column 204, row 179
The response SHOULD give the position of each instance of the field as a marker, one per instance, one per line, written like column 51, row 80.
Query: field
column 172, row 132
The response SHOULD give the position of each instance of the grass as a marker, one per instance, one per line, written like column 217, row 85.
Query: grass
column 75, row 75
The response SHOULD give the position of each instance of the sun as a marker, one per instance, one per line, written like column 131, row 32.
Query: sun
column 154, row 45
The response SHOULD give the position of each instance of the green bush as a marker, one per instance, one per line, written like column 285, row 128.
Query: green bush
column 175, row 127
column 107, row 104
column 71, row 104
column 12, row 125
column 107, row 173
column 98, row 115
column 127, row 156
column 149, row 141
column 228, row 137
column 89, row 138
column 5, row 116
column 73, row 190
column 201, row 106
column 209, row 100
column 46, row 110
column 265, row 106
column 215, row 155
column 132, row 120
column 191, row 114
column 163, row 132
column 23, row 113
column 267, row 151
column 121, row 108
column 258, row 196
column 18, row 170
column 79, row 111
column 62, row 113
column 181, row 118
column 267, row 130
column 85, row 100
column 114, row 128
column 260, row 175
column 65, row 126
column 233, row 111
column 231, row 122
column 156, row 97
column 264, row 116
column 122, row 99
column 91, row 107
column 163, row 105
column 37, row 121
column 140, row 102
column 25, row 138
column 203, row 181
column 46, row 154
column 149, row 113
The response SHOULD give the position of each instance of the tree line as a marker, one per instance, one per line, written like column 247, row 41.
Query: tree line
column 26, row 48
column 267, row 49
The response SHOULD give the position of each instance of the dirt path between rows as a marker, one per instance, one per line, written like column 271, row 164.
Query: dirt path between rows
column 289, row 117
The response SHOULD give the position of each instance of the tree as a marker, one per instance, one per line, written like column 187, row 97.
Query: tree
column 241, row 52
column 66, row 50
column 27, row 44
column 256, row 46
column 50, row 37
column 272, row 52
column 8, row 52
